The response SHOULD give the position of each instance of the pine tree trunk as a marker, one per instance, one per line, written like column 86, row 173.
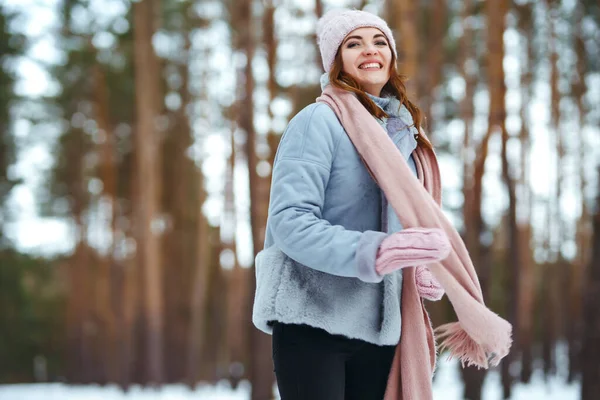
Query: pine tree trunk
column 261, row 367
column 148, row 100
column 183, row 199
column 127, row 318
column 212, row 347
column 512, row 259
column 403, row 22
column 107, row 281
column 583, row 228
column 237, row 285
column 131, row 359
column 527, row 287
column 237, row 280
column 318, row 14
column 527, row 290
column 79, row 351
column 467, row 112
column 552, row 311
column 199, row 293
column 78, row 355
column 512, row 255
column 497, row 120
column 434, row 60
column 590, row 382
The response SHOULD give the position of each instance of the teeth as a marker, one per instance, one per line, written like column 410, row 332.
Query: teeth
column 370, row 65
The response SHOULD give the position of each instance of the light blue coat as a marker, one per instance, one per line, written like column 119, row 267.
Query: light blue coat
column 324, row 229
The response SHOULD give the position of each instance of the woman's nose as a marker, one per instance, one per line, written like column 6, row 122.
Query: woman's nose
column 370, row 49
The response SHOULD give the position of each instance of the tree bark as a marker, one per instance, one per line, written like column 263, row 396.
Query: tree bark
column 199, row 292
column 131, row 343
column 260, row 368
column 552, row 312
column 183, row 198
column 148, row 100
column 583, row 227
column 213, row 348
column 434, row 59
column 237, row 280
column 403, row 22
column 107, row 280
column 79, row 322
column 590, row 382
column 512, row 259
column 527, row 286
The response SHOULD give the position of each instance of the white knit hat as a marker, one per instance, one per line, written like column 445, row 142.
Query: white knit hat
column 335, row 25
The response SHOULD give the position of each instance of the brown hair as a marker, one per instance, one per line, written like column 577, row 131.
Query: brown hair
column 394, row 86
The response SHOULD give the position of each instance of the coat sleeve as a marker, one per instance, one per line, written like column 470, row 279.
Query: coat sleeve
column 300, row 176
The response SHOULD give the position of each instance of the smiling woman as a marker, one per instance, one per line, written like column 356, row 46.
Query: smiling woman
column 330, row 279
column 355, row 223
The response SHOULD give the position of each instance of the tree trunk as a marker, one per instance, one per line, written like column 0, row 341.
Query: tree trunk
column 148, row 100
column 127, row 318
column 213, row 348
column 260, row 368
column 583, row 227
column 512, row 259
column 79, row 352
column 590, row 382
column 107, row 283
column 434, row 60
column 552, row 311
column 404, row 21
column 237, row 286
column 183, row 198
column 199, row 292
column 497, row 118
column 131, row 344
column 237, row 280
column 318, row 14
column 527, row 286
column 527, row 290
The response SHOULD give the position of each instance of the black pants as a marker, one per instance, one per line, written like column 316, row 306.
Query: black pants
column 312, row 364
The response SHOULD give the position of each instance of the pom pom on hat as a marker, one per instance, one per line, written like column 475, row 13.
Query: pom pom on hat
column 336, row 24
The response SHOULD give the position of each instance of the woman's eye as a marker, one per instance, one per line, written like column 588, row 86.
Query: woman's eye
column 351, row 45
column 381, row 43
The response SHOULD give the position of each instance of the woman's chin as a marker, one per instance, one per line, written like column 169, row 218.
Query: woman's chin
column 372, row 82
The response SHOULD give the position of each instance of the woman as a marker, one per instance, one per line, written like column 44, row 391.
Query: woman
column 337, row 260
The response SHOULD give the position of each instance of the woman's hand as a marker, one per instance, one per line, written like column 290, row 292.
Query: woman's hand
column 411, row 247
column 427, row 286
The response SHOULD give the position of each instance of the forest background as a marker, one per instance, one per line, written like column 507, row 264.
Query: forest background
column 137, row 140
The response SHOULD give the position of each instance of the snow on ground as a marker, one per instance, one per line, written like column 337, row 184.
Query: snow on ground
column 447, row 386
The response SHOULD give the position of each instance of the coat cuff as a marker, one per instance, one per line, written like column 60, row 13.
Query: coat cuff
column 366, row 254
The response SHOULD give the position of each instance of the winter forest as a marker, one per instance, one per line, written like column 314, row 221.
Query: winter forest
column 137, row 139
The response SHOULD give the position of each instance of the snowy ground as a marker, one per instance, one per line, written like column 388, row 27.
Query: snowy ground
column 447, row 386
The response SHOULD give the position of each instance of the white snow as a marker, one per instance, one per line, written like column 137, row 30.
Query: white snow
column 447, row 386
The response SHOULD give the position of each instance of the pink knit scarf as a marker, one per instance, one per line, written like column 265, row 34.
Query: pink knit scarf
column 480, row 337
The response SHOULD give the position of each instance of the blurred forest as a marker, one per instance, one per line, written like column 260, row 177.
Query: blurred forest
column 161, row 119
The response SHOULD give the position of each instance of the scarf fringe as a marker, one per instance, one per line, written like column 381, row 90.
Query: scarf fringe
column 456, row 340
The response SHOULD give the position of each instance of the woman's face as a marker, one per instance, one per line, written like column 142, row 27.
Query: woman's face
column 366, row 56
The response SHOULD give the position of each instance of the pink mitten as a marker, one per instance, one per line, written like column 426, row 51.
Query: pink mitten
column 411, row 247
column 427, row 286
